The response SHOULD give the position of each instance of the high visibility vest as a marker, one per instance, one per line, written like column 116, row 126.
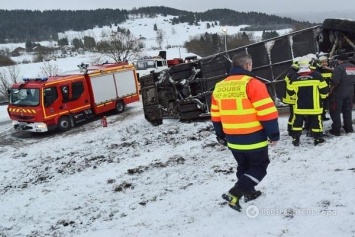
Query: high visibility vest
column 233, row 108
column 309, row 91
column 287, row 99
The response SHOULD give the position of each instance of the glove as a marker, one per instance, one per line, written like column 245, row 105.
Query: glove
column 221, row 140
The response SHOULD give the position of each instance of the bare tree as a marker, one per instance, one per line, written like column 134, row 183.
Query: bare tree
column 14, row 73
column 4, row 86
column 119, row 46
column 8, row 77
column 160, row 37
column 49, row 69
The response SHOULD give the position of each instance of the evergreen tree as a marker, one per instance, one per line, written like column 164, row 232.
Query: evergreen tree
column 63, row 41
column 89, row 42
column 77, row 43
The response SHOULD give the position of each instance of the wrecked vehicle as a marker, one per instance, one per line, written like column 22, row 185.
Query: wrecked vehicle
column 184, row 90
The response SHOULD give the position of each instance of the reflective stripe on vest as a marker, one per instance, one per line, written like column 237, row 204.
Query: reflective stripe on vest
column 237, row 113
column 248, row 146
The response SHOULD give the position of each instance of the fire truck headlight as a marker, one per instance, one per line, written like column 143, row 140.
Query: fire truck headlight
column 40, row 126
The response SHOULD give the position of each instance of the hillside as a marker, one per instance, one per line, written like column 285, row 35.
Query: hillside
column 25, row 25
column 175, row 37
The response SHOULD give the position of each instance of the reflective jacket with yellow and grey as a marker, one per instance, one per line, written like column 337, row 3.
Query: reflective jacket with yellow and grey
column 309, row 89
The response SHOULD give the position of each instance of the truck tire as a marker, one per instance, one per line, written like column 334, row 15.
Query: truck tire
column 64, row 124
column 181, row 71
column 120, row 106
column 180, row 67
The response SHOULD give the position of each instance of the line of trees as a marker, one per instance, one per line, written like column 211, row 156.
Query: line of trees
column 208, row 44
column 23, row 25
column 234, row 18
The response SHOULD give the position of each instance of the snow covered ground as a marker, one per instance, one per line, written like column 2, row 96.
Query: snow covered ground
column 134, row 179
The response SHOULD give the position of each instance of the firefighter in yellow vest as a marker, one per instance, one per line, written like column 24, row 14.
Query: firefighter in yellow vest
column 287, row 99
column 309, row 89
column 246, row 120
column 326, row 73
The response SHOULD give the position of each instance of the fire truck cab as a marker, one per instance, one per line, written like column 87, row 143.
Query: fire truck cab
column 60, row 102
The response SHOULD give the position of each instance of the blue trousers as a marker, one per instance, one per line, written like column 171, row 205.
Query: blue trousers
column 251, row 168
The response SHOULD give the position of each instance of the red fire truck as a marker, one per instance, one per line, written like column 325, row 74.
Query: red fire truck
column 60, row 102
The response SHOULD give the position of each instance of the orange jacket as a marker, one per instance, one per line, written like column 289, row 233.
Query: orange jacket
column 242, row 108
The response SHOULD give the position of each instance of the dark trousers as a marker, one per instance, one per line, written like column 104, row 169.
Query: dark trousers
column 344, row 106
column 251, row 168
column 313, row 123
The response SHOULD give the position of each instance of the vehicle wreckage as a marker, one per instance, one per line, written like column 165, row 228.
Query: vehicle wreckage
column 184, row 91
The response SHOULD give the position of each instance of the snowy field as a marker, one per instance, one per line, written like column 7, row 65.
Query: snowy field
column 134, row 179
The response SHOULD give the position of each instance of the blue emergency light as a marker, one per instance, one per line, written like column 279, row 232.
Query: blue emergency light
column 42, row 79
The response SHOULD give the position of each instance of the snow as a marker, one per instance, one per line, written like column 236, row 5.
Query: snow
column 175, row 36
column 134, row 179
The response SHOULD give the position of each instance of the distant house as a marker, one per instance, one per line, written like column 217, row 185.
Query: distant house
column 18, row 52
column 42, row 49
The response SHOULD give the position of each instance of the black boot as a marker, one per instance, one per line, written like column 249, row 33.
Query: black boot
column 252, row 195
column 318, row 141
column 296, row 141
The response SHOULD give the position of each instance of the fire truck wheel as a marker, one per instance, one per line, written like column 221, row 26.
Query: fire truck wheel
column 64, row 124
column 120, row 107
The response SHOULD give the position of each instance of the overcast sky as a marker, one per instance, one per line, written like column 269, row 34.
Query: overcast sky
column 305, row 8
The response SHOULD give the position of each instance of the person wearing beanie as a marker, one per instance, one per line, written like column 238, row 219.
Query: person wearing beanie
column 341, row 95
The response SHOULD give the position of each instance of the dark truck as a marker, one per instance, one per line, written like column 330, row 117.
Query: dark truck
column 184, row 91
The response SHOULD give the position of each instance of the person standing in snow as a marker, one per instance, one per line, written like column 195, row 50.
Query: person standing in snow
column 326, row 73
column 341, row 95
column 286, row 98
column 245, row 119
column 309, row 89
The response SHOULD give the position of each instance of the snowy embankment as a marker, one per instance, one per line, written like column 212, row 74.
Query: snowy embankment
column 134, row 179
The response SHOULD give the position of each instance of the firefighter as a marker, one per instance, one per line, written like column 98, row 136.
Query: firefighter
column 326, row 73
column 245, row 119
column 286, row 99
column 342, row 91
column 308, row 88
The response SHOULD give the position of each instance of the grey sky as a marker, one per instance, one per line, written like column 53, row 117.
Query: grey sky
column 304, row 9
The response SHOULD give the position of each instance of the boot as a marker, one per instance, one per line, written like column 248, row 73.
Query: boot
column 233, row 197
column 296, row 141
column 318, row 141
column 252, row 195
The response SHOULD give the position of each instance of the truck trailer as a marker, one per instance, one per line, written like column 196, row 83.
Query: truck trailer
column 62, row 101
column 184, row 91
